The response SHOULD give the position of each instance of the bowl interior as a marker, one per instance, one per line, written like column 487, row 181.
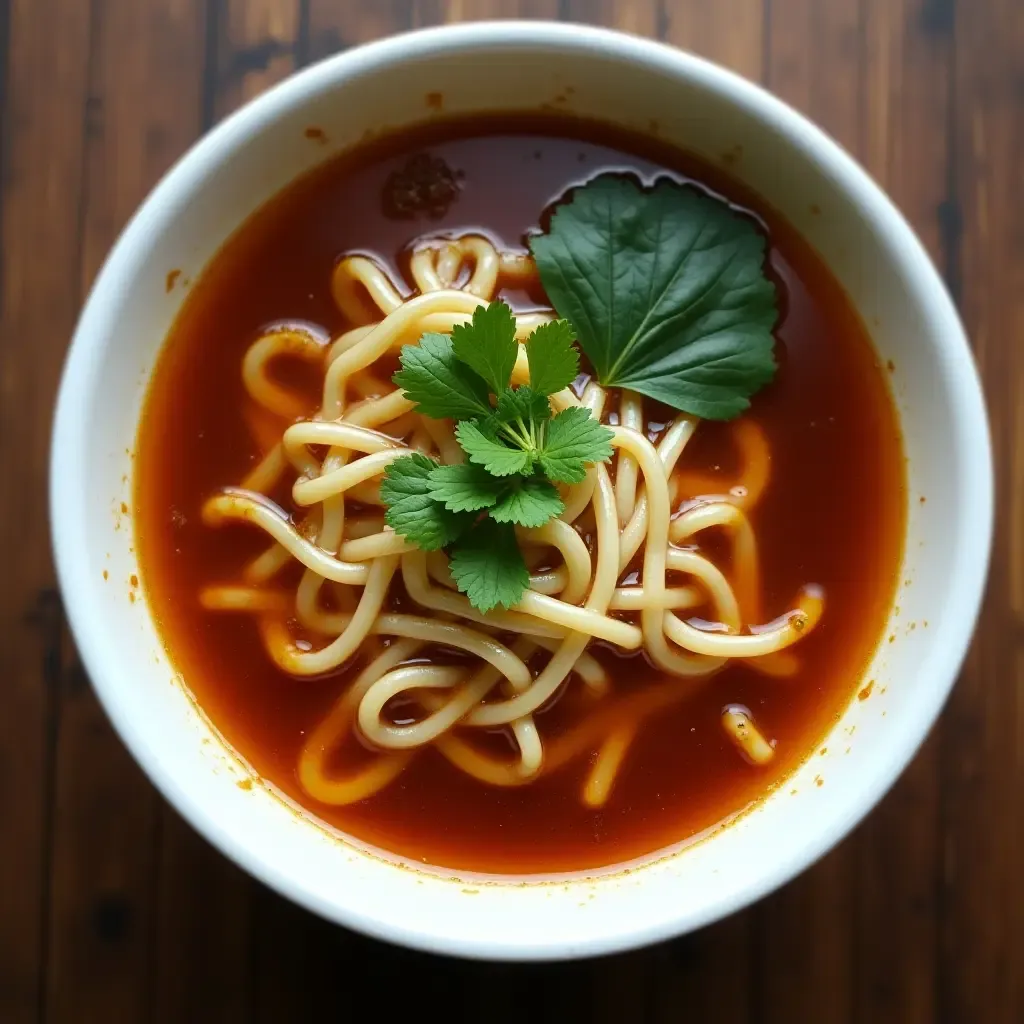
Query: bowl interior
column 628, row 83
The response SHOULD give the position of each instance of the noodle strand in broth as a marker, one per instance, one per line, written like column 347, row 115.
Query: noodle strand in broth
column 619, row 567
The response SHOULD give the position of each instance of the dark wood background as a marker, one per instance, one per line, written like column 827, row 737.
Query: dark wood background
column 113, row 910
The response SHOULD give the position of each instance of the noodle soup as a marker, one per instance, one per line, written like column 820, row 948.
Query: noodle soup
column 701, row 603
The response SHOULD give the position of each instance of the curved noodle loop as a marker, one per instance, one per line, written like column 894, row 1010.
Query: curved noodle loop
column 621, row 565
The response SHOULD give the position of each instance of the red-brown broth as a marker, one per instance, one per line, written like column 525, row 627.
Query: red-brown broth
column 833, row 514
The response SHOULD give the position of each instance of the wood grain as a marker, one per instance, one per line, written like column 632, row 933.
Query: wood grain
column 334, row 27
column 478, row 10
column 729, row 32
column 202, row 934
column 45, row 88
column 257, row 43
column 983, row 730
column 641, row 17
column 112, row 909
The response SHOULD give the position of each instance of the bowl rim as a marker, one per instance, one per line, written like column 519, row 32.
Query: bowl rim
column 969, row 424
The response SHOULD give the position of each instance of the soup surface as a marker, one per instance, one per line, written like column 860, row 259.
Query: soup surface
column 832, row 514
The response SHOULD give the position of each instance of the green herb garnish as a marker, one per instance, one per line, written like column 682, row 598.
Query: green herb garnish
column 552, row 357
column 572, row 436
column 488, row 566
column 438, row 383
column 465, row 488
column 531, row 501
column 665, row 291
column 515, row 449
column 480, row 442
column 412, row 511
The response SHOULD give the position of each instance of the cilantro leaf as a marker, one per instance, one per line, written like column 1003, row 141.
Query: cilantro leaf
column 488, row 566
column 574, row 438
column 530, row 502
column 438, row 383
column 484, row 449
column 411, row 511
column 465, row 487
column 554, row 361
column 488, row 345
column 437, row 506
column 522, row 403
column 666, row 291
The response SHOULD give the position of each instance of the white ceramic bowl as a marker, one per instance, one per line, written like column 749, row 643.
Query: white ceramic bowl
column 488, row 67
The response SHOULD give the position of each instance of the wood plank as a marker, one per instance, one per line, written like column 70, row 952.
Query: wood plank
column 729, row 32
column 143, row 112
column 906, row 145
column 45, row 84
column 436, row 11
column 203, row 932
column 257, row 43
column 302, row 966
column 622, row 988
column 498, row 993
column 334, row 27
column 804, row 945
column 710, row 974
column 641, row 17
column 981, row 976
column 815, row 62
column 102, row 875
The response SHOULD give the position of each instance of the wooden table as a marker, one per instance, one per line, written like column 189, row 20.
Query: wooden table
column 113, row 910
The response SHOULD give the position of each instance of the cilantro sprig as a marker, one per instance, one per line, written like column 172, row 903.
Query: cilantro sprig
column 665, row 290
column 517, row 449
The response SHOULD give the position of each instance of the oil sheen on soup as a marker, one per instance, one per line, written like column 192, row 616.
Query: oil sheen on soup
column 627, row 758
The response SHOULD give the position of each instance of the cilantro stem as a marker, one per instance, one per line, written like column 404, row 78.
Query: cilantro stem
column 471, row 509
column 527, row 432
column 520, row 439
